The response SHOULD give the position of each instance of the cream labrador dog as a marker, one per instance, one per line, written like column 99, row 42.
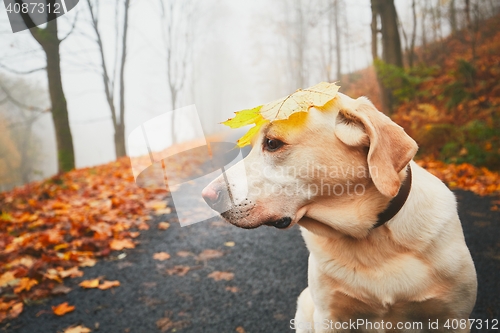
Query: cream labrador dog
column 387, row 250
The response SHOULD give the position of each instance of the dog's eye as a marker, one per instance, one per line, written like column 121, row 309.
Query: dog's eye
column 272, row 144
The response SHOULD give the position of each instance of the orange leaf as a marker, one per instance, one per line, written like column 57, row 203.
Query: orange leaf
column 15, row 310
column 7, row 279
column 209, row 254
column 161, row 256
column 233, row 289
column 217, row 275
column 77, row 329
column 72, row 272
column 120, row 244
column 25, row 284
column 89, row 284
column 62, row 309
column 163, row 225
column 109, row 284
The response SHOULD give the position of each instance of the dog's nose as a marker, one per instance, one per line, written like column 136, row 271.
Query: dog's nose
column 214, row 198
column 210, row 195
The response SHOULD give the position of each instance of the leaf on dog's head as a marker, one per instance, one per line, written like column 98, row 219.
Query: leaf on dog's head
column 300, row 101
column 244, row 118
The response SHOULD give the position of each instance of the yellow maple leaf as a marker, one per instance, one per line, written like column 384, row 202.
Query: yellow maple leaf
column 300, row 101
column 244, row 118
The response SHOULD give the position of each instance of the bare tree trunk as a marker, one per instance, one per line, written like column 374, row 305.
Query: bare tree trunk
column 425, row 10
column 338, row 44
column 375, row 31
column 120, row 126
column 177, row 40
column 391, row 42
column 49, row 41
column 109, row 78
column 453, row 17
column 411, row 52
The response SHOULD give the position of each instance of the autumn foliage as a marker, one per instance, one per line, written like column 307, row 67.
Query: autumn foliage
column 49, row 230
column 449, row 101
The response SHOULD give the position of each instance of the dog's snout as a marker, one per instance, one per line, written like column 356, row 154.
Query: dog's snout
column 215, row 198
column 210, row 195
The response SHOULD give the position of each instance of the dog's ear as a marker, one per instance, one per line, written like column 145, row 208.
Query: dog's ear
column 390, row 148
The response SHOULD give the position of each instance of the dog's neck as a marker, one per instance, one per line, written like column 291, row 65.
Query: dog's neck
column 341, row 222
column 397, row 202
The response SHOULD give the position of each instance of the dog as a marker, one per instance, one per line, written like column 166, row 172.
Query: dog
column 387, row 250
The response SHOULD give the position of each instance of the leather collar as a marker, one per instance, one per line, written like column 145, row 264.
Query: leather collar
column 397, row 202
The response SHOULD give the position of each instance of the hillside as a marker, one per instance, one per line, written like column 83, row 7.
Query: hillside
column 450, row 101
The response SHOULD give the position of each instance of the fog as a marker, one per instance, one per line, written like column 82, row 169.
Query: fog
column 239, row 60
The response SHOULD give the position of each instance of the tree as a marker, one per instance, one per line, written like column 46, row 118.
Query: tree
column 109, row 79
column 177, row 21
column 334, row 40
column 385, row 12
column 410, row 45
column 49, row 41
column 22, row 105
column 453, row 17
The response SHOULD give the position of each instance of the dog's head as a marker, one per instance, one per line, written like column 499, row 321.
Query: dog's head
column 344, row 155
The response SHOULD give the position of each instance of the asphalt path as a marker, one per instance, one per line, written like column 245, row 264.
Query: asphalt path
column 269, row 267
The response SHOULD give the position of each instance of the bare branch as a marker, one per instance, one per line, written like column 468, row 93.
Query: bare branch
column 14, row 71
column 9, row 97
column 72, row 27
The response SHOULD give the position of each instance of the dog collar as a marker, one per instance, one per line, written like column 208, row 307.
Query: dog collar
column 397, row 202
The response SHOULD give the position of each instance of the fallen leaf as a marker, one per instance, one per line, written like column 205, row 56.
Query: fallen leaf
column 233, row 289
column 62, row 309
column 229, row 244
column 240, row 329
column 77, row 329
column 89, row 284
column 209, row 254
column 156, row 205
column 143, row 226
column 164, row 211
column 8, row 279
column 109, row 284
column 178, row 270
column 217, row 275
column 60, row 289
column 163, row 225
column 120, row 244
column 25, row 284
column 15, row 310
column 72, row 272
column 161, row 256
column 184, row 254
column 4, row 306
column 165, row 324
column 87, row 262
